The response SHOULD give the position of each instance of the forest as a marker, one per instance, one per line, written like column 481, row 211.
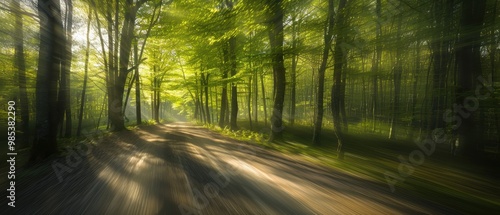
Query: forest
column 402, row 92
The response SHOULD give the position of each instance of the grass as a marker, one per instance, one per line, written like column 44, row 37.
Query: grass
column 466, row 186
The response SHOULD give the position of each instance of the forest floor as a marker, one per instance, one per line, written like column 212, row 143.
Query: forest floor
column 472, row 187
column 180, row 168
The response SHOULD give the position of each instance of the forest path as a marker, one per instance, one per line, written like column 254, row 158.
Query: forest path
column 181, row 168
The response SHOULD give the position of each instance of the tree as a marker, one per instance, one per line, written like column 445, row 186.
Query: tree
column 468, row 57
column 338, row 58
column 398, row 70
column 441, row 46
column 49, row 64
column 118, row 57
column 376, row 61
column 328, row 36
column 64, row 100
column 85, row 77
column 275, row 29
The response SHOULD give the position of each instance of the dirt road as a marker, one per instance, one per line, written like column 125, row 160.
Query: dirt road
column 180, row 168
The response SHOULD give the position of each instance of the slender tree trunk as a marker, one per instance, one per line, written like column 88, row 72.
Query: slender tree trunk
column 255, row 98
column 234, row 87
column 67, row 67
column 112, row 69
column 205, row 84
column 100, row 114
column 157, row 101
column 295, row 57
column 328, row 33
column 138, row 113
column 443, row 14
column 493, row 48
column 249, row 101
column 338, row 57
column 415, row 93
column 343, row 114
column 129, row 89
column 224, row 101
column 376, row 62
column 63, row 95
column 398, row 70
column 263, row 98
column 20, row 65
column 85, row 77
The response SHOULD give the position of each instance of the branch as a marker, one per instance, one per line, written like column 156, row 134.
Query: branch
column 135, row 66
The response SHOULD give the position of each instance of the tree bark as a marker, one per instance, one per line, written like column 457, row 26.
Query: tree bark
column 224, row 101
column 205, row 85
column 115, row 94
column 67, row 67
column 327, row 37
column 398, row 70
column 234, row 87
column 414, row 97
column 138, row 113
column 277, row 56
column 85, row 77
column 263, row 97
column 295, row 57
column 468, row 57
column 49, row 64
column 338, row 57
column 376, row 62
column 249, row 100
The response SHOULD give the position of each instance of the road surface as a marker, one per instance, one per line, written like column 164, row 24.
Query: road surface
column 181, row 168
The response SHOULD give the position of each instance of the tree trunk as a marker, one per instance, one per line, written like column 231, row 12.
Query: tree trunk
column 255, row 98
column 249, row 101
column 376, row 62
column 441, row 45
column 328, row 33
column 338, row 57
column 343, row 114
column 138, row 113
column 295, row 57
column 398, row 70
column 276, row 43
column 85, row 77
column 224, row 101
column 205, row 85
column 49, row 64
column 234, row 87
column 414, row 93
column 116, row 92
column 67, row 67
column 63, row 95
column 468, row 57
column 493, row 47
column 263, row 97
column 20, row 65
column 157, row 101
